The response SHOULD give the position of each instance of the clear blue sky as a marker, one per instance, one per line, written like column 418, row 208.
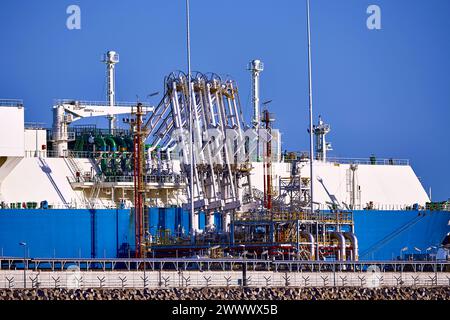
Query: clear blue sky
column 385, row 92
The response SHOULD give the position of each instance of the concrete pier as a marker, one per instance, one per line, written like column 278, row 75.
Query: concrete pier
column 75, row 279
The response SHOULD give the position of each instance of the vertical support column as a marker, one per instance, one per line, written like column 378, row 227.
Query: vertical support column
column 268, row 161
column 111, row 58
column 138, row 157
column 59, row 131
column 255, row 67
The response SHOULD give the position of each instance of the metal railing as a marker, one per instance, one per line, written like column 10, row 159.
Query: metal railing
column 11, row 103
column 389, row 207
column 154, row 178
column 343, row 217
column 36, row 154
column 391, row 161
column 304, row 155
column 50, row 205
column 163, row 178
column 73, row 154
column 35, row 125
column 224, row 264
column 95, row 103
column 89, row 154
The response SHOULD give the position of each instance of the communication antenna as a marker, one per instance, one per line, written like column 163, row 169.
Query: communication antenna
column 311, row 138
column 191, row 135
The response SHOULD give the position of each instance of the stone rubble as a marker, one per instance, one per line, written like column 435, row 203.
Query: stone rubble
column 233, row 293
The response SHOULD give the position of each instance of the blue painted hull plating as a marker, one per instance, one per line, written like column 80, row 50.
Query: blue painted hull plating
column 108, row 233
column 382, row 234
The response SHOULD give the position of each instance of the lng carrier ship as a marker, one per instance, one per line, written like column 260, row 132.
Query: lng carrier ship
column 182, row 180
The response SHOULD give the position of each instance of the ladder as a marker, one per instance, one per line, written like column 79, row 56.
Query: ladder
column 95, row 191
column 73, row 166
column 146, row 225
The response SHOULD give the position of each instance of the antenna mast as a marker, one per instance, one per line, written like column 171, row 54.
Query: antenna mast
column 191, row 138
column 311, row 140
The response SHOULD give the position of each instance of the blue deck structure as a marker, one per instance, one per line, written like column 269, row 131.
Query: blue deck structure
column 103, row 233
column 80, row 233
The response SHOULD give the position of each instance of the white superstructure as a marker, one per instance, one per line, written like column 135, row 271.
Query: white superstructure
column 379, row 186
column 28, row 173
column 11, row 128
column 101, row 175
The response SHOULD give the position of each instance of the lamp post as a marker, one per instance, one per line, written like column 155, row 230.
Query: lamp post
column 428, row 249
column 265, row 253
column 418, row 250
column 402, row 250
column 244, row 266
column 144, row 247
column 150, row 239
column 147, row 241
column 24, row 245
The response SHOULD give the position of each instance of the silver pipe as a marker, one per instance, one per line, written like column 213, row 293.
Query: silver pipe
column 110, row 60
column 311, row 242
column 255, row 66
column 340, row 237
column 59, row 131
column 354, row 240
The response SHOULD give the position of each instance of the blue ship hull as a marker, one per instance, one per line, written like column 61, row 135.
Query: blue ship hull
column 108, row 233
column 382, row 234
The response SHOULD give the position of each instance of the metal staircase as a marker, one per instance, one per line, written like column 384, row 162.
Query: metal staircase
column 74, row 168
column 95, row 191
